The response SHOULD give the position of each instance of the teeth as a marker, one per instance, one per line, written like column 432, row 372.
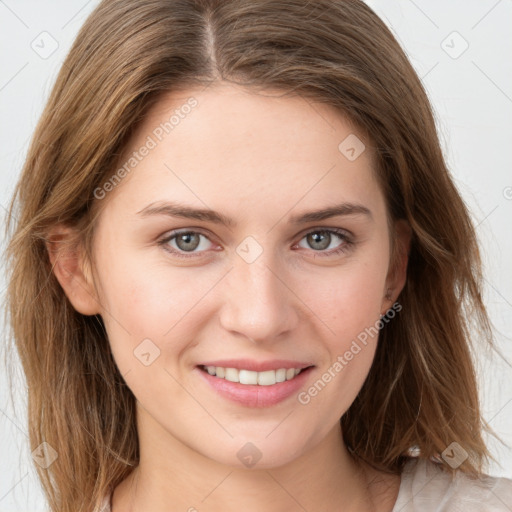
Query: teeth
column 232, row 375
column 247, row 377
column 280, row 375
column 266, row 378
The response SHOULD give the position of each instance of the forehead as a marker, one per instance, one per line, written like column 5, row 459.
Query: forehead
column 232, row 146
column 240, row 122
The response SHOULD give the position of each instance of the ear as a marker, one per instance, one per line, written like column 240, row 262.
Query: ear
column 70, row 268
column 397, row 274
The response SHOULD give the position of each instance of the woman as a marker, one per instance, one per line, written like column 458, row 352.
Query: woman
column 298, row 355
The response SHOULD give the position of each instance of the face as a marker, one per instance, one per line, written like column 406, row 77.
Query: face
column 263, row 284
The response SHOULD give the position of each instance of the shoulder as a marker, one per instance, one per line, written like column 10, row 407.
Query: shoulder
column 426, row 487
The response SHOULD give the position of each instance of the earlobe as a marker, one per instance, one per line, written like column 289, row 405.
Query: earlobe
column 397, row 274
column 68, row 266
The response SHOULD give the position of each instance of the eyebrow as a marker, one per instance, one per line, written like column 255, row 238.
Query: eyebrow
column 204, row 214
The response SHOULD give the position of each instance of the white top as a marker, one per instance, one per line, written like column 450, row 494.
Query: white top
column 425, row 487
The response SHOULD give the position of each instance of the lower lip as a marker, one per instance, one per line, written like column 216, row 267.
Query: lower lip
column 254, row 395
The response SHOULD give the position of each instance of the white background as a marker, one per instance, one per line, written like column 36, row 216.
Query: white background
column 472, row 97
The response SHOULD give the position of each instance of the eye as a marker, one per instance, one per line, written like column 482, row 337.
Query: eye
column 182, row 242
column 322, row 239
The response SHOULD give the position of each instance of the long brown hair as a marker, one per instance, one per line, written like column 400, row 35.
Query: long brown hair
column 421, row 390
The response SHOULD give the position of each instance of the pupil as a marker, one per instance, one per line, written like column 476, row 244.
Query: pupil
column 316, row 238
column 186, row 238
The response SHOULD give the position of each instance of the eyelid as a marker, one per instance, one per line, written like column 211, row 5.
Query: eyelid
column 315, row 229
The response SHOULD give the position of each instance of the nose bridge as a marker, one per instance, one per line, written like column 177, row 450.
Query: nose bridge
column 257, row 303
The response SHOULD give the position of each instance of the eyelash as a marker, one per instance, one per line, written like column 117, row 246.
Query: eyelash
column 346, row 245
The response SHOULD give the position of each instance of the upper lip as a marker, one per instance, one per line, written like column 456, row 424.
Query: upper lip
column 256, row 366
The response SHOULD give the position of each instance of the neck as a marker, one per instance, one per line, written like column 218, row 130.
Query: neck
column 172, row 476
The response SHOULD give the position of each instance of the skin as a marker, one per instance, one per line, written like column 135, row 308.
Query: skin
column 260, row 160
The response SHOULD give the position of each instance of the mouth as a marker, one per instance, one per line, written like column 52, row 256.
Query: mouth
column 249, row 377
column 251, row 388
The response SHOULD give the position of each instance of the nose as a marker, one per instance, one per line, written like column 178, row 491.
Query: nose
column 258, row 300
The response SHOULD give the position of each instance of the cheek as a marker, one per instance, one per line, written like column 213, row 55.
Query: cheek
column 152, row 302
column 348, row 298
column 348, row 305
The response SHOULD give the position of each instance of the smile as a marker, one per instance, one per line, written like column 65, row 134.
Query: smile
column 265, row 378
